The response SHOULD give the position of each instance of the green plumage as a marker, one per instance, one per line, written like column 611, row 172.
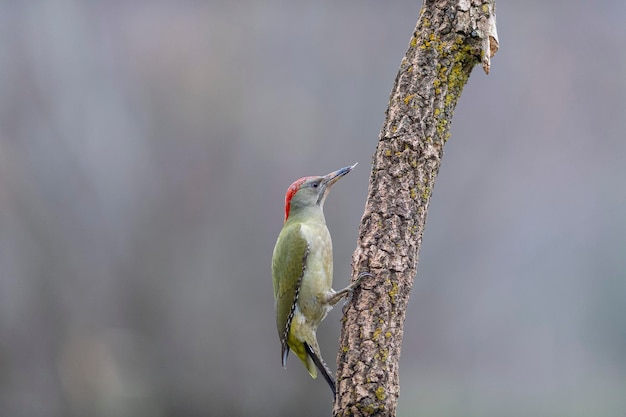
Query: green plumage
column 302, row 272
column 289, row 269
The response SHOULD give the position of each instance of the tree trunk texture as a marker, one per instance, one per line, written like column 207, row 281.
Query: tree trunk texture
column 450, row 38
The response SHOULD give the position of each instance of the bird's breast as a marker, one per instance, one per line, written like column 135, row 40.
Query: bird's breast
column 318, row 276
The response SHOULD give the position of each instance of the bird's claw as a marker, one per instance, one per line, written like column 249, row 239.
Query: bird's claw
column 350, row 289
column 360, row 277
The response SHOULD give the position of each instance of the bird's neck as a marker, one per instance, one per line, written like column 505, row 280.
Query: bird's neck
column 307, row 214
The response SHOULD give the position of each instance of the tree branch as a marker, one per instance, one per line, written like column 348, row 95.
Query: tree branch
column 450, row 38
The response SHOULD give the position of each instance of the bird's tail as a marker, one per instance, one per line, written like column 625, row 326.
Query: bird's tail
column 316, row 356
column 284, row 352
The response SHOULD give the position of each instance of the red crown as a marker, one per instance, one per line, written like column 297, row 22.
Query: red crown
column 291, row 191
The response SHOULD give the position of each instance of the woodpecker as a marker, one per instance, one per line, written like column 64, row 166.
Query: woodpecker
column 302, row 272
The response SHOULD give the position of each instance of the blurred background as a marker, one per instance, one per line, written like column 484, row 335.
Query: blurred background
column 145, row 149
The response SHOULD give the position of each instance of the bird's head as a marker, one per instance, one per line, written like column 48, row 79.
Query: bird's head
column 311, row 191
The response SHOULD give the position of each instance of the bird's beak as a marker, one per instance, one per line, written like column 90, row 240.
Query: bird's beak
column 333, row 177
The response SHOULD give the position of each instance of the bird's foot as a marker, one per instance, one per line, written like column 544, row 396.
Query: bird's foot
column 347, row 292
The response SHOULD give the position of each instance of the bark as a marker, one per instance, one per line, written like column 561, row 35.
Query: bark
column 450, row 38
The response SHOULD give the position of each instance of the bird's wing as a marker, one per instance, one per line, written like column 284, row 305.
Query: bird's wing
column 288, row 266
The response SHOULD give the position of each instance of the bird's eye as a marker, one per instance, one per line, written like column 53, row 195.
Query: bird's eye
column 315, row 184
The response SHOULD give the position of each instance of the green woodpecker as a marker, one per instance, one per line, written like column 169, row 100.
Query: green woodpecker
column 302, row 272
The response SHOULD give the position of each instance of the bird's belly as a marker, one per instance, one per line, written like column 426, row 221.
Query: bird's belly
column 315, row 287
column 318, row 278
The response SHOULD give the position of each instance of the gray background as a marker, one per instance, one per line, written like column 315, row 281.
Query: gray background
column 145, row 148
